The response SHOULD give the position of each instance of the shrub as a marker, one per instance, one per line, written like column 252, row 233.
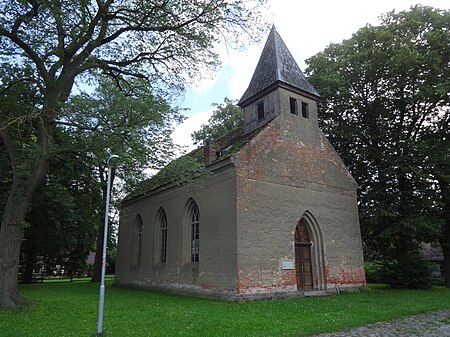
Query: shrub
column 411, row 271
column 372, row 270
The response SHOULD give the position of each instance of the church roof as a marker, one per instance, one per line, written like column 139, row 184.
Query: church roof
column 276, row 64
column 181, row 172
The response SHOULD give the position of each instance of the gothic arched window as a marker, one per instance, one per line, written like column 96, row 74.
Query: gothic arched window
column 137, row 241
column 195, row 233
column 163, row 229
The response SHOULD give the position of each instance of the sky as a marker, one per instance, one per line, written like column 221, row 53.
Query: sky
column 306, row 27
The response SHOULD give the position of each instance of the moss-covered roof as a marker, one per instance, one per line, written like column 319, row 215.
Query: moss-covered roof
column 191, row 167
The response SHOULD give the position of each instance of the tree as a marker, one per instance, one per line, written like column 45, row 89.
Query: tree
column 435, row 142
column 61, row 223
column 131, row 122
column 385, row 106
column 227, row 117
column 17, row 106
column 58, row 42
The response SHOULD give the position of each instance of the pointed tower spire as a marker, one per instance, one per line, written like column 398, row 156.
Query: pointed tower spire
column 275, row 65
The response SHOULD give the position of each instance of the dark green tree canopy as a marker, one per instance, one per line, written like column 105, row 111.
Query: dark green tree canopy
column 61, row 224
column 385, row 107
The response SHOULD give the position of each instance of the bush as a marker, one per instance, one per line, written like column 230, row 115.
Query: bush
column 409, row 272
column 372, row 270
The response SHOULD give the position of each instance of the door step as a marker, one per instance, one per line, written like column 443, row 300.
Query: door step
column 316, row 293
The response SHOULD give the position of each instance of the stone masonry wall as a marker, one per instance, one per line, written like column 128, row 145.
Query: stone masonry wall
column 215, row 274
column 281, row 174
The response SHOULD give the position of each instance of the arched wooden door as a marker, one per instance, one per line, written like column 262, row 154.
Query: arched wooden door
column 303, row 265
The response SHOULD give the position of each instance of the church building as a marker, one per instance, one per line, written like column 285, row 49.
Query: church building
column 276, row 216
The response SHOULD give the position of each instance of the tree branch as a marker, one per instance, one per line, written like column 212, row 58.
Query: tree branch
column 29, row 51
column 141, row 27
column 78, row 126
column 25, row 79
column 77, row 44
column 25, row 17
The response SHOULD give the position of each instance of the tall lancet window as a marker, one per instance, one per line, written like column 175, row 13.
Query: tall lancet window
column 195, row 234
column 163, row 225
column 137, row 241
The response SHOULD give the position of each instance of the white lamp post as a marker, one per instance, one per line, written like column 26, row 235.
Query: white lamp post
column 111, row 163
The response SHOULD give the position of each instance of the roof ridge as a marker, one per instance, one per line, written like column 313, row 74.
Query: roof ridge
column 227, row 145
column 277, row 57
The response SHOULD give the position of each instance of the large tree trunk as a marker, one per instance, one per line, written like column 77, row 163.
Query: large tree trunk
column 11, row 238
column 19, row 199
column 10, row 241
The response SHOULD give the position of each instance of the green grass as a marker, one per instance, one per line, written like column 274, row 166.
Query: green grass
column 70, row 309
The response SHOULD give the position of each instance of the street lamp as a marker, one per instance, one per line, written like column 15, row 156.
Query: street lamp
column 111, row 163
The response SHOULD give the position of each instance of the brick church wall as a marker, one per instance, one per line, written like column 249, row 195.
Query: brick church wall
column 280, row 176
column 215, row 274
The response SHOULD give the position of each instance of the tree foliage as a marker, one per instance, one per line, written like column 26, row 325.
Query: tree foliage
column 131, row 122
column 385, row 107
column 411, row 272
column 61, row 225
column 49, row 45
column 160, row 39
column 227, row 117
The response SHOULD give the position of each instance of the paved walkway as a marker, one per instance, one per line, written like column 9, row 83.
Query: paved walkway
column 433, row 324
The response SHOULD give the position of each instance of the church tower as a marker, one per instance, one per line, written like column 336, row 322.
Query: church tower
column 278, row 86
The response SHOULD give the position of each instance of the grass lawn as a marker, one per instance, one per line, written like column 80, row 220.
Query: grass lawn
column 70, row 309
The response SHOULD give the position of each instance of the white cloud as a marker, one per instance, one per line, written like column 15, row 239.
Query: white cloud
column 241, row 67
column 183, row 131
column 307, row 27
column 206, row 81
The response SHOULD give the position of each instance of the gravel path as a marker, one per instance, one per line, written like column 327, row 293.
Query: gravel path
column 432, row 324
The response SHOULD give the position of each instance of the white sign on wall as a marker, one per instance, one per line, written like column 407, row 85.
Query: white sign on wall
column 287, row 264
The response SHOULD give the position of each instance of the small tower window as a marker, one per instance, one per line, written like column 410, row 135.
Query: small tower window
column 305, row 110
column 293, row 105
column 260, row 110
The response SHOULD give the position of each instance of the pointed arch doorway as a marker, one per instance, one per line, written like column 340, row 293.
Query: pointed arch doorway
column 303, row 261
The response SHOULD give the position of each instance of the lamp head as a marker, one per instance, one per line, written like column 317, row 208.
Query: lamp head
column 112, row 161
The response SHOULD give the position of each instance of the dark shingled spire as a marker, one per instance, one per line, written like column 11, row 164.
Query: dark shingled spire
column 276, row 64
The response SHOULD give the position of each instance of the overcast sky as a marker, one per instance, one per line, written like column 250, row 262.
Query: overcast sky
column 307, row 27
